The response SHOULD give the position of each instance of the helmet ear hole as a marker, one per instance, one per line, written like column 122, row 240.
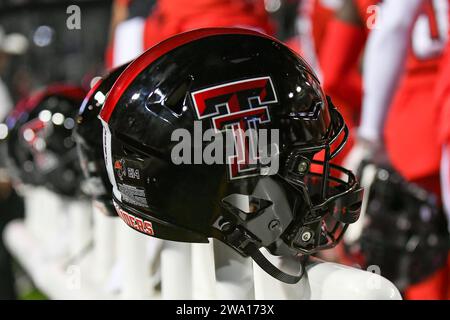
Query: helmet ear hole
column 245, row 206
column 127, row 151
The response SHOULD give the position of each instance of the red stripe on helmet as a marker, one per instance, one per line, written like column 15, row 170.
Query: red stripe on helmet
column 152, row 54
column 202, row 96
column 90, row 94
column 65, row 90
column 29, row 103
column 99, row 82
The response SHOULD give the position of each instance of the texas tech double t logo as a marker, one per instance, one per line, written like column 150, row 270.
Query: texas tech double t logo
column 239, row 106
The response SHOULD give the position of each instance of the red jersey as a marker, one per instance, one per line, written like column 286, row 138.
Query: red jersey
column 443, row 94
column 443, row 98
column 168, row 20
column 321, row 15
column 411, row 126
column 340, row 57
column 314, row 17
column 367, row 11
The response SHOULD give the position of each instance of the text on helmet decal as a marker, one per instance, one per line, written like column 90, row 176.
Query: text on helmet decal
column 135, row 222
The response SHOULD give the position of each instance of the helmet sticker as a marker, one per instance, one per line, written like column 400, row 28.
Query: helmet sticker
column 131, row 186
column 108, row 159
column 134, row 222
column 133, row 195
column 119, row 168
column 238, row 106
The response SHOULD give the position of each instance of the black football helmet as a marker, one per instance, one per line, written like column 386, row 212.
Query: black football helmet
column 404, row 231
column 39, row 144
column 228, row 80
column 88, row 137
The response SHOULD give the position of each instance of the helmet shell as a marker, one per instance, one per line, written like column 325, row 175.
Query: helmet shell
column 40, row 147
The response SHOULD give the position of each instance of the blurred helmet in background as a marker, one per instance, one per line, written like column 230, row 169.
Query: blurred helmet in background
column 88, row 137
column 39, row 144
column 404, row 229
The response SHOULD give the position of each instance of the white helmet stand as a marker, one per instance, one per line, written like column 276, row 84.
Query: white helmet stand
column 214, row 271
column 234, row 275
column 204, row 271
column 188, row 271
column 52, row 244
column 334, row 281
column 135, row 268
column 203, row 275
column 176, row 270
column 104, row 235
column 44, row 220
column 220, row 273
column 322, row 280
column 80, row 226
column 269, row 288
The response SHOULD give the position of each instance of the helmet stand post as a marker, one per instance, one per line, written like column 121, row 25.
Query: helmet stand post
column 136, row 271
column 219, row 273
column 80, row 237
column 104, row 244
column 54, row 270
column 203, row 275
column 234, row 274
column 176, row 270
column 44, row 220
column 214, row 271
column 32, row 212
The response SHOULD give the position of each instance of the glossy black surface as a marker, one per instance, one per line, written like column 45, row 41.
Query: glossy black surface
column 164, row 88
column 202, row 198
column 88, row 137
column 40, row 147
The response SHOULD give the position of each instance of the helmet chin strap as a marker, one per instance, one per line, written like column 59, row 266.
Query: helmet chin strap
column 241, row 237
column 268, row 267
column 247, row 246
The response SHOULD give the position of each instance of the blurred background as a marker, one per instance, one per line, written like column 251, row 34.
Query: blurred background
column 54, row 41
column 55, row 53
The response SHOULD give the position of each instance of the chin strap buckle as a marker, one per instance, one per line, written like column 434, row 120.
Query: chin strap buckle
column 242, row 242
